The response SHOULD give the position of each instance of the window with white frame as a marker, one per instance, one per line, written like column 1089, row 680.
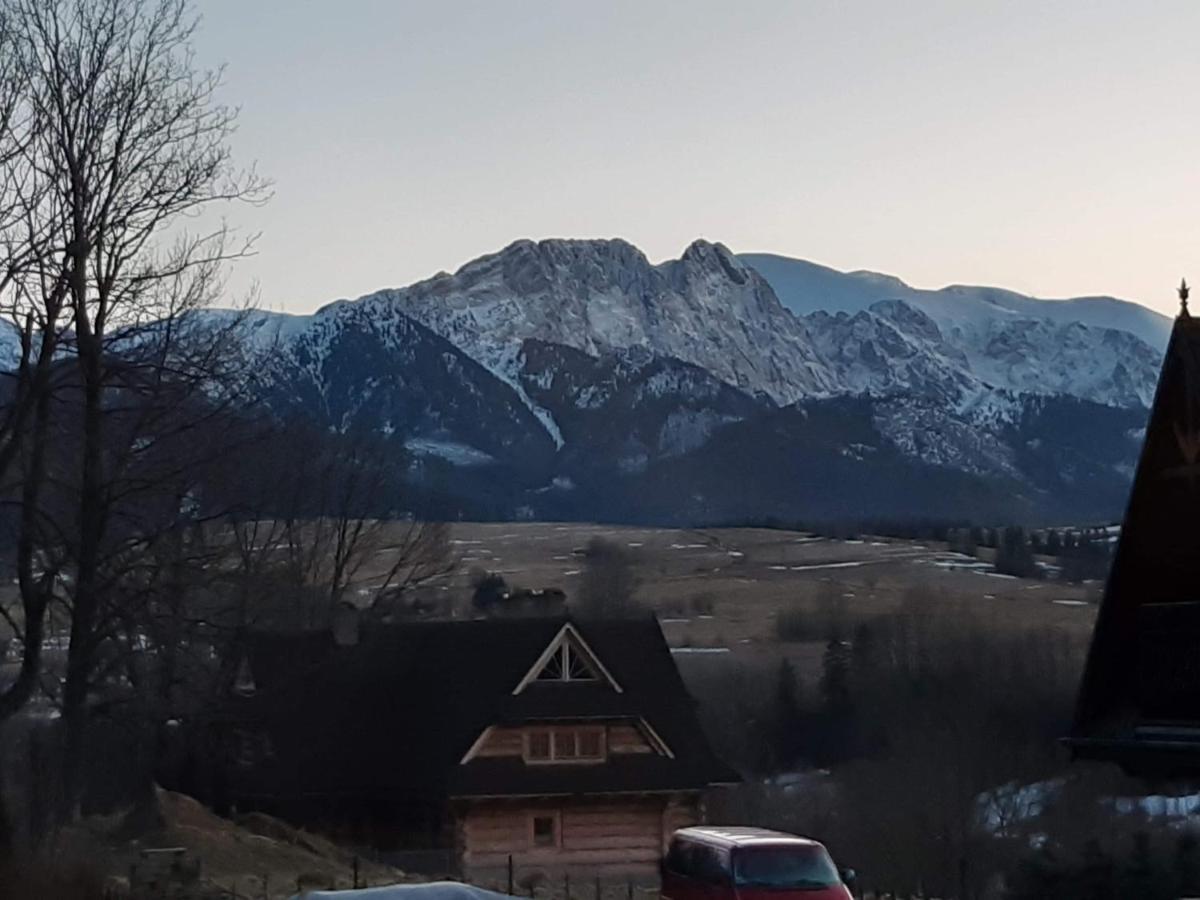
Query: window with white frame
column 565, row 744
column 567, row 663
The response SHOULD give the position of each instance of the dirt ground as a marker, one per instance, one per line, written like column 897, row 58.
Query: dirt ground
column 256, row 857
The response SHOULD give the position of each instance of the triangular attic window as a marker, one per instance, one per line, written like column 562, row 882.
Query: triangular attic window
column 566, row 659
column 567, row 662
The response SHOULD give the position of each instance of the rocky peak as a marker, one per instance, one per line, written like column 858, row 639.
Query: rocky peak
column 715, row 259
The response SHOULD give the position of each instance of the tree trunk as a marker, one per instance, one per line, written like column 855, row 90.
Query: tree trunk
column 82, row 651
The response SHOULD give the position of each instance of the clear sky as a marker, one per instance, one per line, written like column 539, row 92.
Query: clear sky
column 1049, row 147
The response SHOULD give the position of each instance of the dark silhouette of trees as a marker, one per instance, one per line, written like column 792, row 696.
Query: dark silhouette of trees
column 609, row 581
column 119, row 138
column 490, row 590
column 788, row 719
column 1014, row 555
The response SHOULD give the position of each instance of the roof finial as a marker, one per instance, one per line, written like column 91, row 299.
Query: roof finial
column 1184, row 290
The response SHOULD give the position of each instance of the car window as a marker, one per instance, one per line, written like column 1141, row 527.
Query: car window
column 784, row 867
column 678, row 857
column 711, row 865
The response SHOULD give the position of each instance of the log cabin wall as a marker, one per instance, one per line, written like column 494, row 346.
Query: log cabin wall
column 607, row 838
column 681, row 811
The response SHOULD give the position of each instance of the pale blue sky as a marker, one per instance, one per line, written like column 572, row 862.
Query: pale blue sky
column 1049, row 147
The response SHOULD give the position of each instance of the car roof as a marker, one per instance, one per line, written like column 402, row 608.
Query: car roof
column 742, row 836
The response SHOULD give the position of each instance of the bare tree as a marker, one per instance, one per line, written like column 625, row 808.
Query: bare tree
column 314, row 515
column 28, row 269
column 123, row 140
column 609, row 580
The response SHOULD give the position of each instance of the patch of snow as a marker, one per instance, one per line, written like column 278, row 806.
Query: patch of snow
column 835, row 565
column 451, row 451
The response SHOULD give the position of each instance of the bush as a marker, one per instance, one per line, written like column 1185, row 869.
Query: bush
column 490, row 590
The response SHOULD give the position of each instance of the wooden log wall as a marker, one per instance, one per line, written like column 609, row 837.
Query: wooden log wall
column 598, row 838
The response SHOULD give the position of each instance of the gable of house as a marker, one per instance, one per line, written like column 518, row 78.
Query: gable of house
column 402, row 710
column 1140, row 699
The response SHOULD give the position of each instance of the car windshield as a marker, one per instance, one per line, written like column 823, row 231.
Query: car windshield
column 784, row 868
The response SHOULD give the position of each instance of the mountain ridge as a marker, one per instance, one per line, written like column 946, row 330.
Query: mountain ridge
column 798, row 282
column 575, row 370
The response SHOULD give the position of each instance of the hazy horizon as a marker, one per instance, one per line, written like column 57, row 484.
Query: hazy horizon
column 1042, row 150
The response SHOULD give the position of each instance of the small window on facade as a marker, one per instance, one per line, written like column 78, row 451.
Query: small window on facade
column 564, row 743
column 538, row 745
column 545, row 831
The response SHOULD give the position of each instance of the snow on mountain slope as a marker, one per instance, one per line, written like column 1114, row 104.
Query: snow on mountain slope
column 805, row 287
column 577, row 379
column 1097, row 348
column 706, row 308
column 348, row 367
column 629, row 408
column 710, row 309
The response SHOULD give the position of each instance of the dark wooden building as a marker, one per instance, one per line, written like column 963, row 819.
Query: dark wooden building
column 567, row 745
column 1139, row 704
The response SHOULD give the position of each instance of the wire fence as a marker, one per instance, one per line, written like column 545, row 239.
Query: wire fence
column 536, row 883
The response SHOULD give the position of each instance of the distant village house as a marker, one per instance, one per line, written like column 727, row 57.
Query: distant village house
column 569, row 746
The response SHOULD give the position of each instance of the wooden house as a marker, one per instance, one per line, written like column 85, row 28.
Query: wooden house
column 571, row 747
column 1139, row 704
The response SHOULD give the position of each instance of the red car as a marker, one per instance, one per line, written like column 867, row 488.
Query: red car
column 734, row 863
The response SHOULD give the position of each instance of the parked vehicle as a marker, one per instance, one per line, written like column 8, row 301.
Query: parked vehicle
column 737, row 863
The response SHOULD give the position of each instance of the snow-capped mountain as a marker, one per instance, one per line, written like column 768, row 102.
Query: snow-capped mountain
column 713, row 310
column 706, row 308
column 600, row 377
column 805, row 287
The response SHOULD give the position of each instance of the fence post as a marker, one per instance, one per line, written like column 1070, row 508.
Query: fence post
column 356, row 870
column 567, row 884
column 597, row 887
column 510, row 875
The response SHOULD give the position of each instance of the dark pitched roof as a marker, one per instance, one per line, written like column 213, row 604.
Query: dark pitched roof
column 1140, row 698
column 398, row 711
